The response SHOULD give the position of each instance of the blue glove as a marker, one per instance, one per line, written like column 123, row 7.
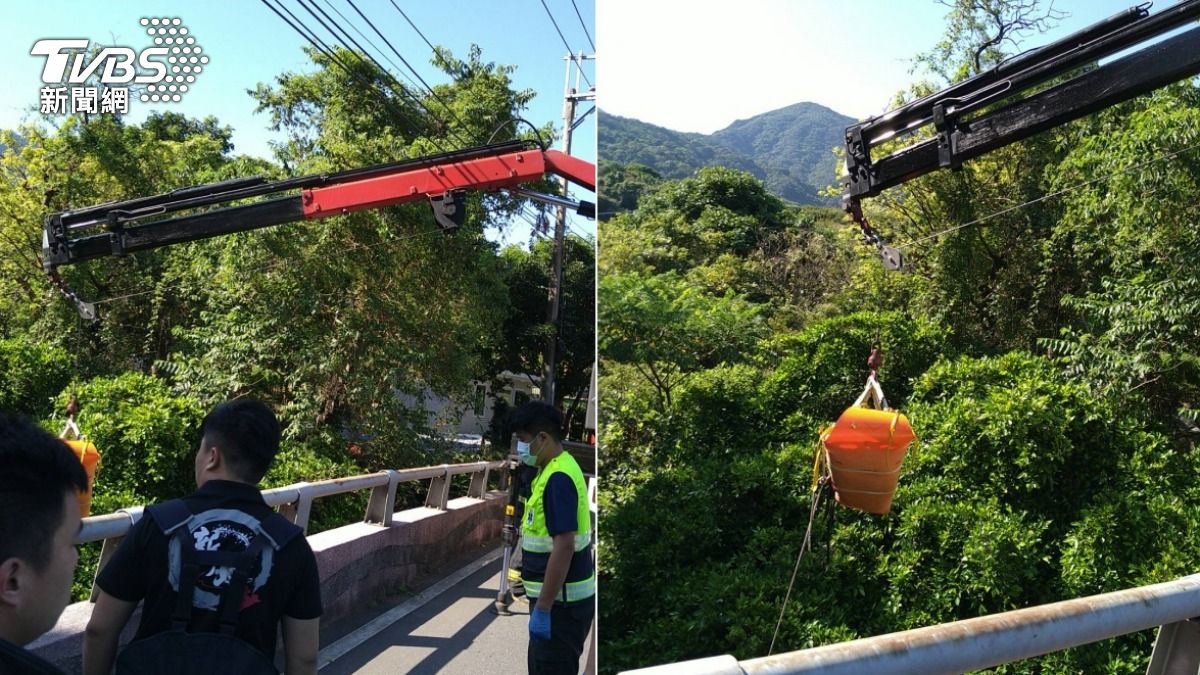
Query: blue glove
column 539, row 624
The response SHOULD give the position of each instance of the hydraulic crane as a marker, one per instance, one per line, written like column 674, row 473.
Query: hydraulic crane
column 189, row 214
column 967, row 123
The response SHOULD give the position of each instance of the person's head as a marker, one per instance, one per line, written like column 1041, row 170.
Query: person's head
column 540, row 425
column 40, row 478
column 238, row 441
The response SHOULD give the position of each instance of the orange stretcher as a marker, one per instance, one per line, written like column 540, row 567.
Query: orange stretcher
column 864, row 450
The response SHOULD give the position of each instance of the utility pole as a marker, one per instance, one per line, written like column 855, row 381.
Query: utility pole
column 571, row 96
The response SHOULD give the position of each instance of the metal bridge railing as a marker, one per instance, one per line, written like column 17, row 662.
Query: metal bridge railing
column 988, row 641
column 295, row 501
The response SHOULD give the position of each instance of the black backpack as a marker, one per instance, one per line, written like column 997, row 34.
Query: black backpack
column 180, row 652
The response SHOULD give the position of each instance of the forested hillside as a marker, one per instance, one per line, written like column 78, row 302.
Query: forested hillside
column 672, row 154
column 1047, row 359
column 330, row 322
column 790, row 149
column 795, row 144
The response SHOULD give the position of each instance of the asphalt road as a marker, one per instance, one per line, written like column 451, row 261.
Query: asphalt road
column 447, row 631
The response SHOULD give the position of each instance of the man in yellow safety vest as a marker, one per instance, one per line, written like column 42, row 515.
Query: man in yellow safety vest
column 556, row 544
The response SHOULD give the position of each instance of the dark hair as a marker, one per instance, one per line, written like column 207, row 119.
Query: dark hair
column 535, row 417
column 36, row 470
column 247, row 433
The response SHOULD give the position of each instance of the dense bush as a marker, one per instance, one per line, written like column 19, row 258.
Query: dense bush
column 31, row 375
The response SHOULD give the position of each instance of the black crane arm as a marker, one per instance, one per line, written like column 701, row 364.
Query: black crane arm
column 963, row 132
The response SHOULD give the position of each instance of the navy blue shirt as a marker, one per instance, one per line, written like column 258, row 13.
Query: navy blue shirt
column 285, row 584
column 561, row 503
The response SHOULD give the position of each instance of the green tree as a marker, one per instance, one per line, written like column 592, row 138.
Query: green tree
column 521, row 348
column 621, row 185
column 665, row 327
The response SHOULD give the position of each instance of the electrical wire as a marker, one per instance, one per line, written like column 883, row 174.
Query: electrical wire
column 325, row 49
column 399, row 87
column 368, row 40
column 414, row 27
column 1058, row 193
column 320, row 45
column 536, row 132
column 403, row 60
column 564, row 40
column 583, row 25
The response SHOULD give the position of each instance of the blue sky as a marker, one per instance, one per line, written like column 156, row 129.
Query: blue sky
column 718, row 63
column 247, row 43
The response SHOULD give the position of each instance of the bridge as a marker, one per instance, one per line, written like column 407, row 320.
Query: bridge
column 410, row 590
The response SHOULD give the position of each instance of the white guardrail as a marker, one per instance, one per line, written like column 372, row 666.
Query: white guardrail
column 295, row 501
column 995, row 639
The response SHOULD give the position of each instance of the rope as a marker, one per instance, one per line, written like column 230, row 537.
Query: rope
column 804, row 548
column 1127, row 169
column 281, row 263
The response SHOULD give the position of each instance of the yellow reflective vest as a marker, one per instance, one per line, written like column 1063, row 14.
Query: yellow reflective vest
column 536, row 541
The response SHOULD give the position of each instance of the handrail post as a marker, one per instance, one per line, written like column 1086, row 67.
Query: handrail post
column 111, row 544
column 1176, row 649
column 382, row 504
column 439, row 490
column 297, row 511
column 479, row 481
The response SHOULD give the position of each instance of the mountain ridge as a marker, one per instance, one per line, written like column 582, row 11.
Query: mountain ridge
column 790, row 149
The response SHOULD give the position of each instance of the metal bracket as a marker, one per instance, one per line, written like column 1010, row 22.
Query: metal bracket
column 947, row 138
column 858, row 162
column 54, row 242
column 117, row 232
column 439, row 490
column 383, row 501
column 449, row 210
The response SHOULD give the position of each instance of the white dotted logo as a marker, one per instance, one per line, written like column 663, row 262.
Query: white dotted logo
column 185, row 59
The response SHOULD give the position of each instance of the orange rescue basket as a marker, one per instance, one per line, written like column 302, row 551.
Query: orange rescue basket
column 864, row 450
column 89, row 457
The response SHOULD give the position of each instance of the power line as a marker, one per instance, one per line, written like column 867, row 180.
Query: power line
column 1058, row 193
column 584, row 25
column 403, row 60
column 414, row 27
column 368, row 41
column 346, row 40
column 564, row 41
column 317, row 43
column 402, row 90
column 578, row 233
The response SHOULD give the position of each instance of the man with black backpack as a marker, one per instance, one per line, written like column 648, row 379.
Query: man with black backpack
column 218, row 571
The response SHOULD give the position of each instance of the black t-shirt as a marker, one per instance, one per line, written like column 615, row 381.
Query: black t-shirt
column 285, row 582
column 17, row 661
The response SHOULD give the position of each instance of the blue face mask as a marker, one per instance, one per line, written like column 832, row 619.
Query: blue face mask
column 524, row 454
